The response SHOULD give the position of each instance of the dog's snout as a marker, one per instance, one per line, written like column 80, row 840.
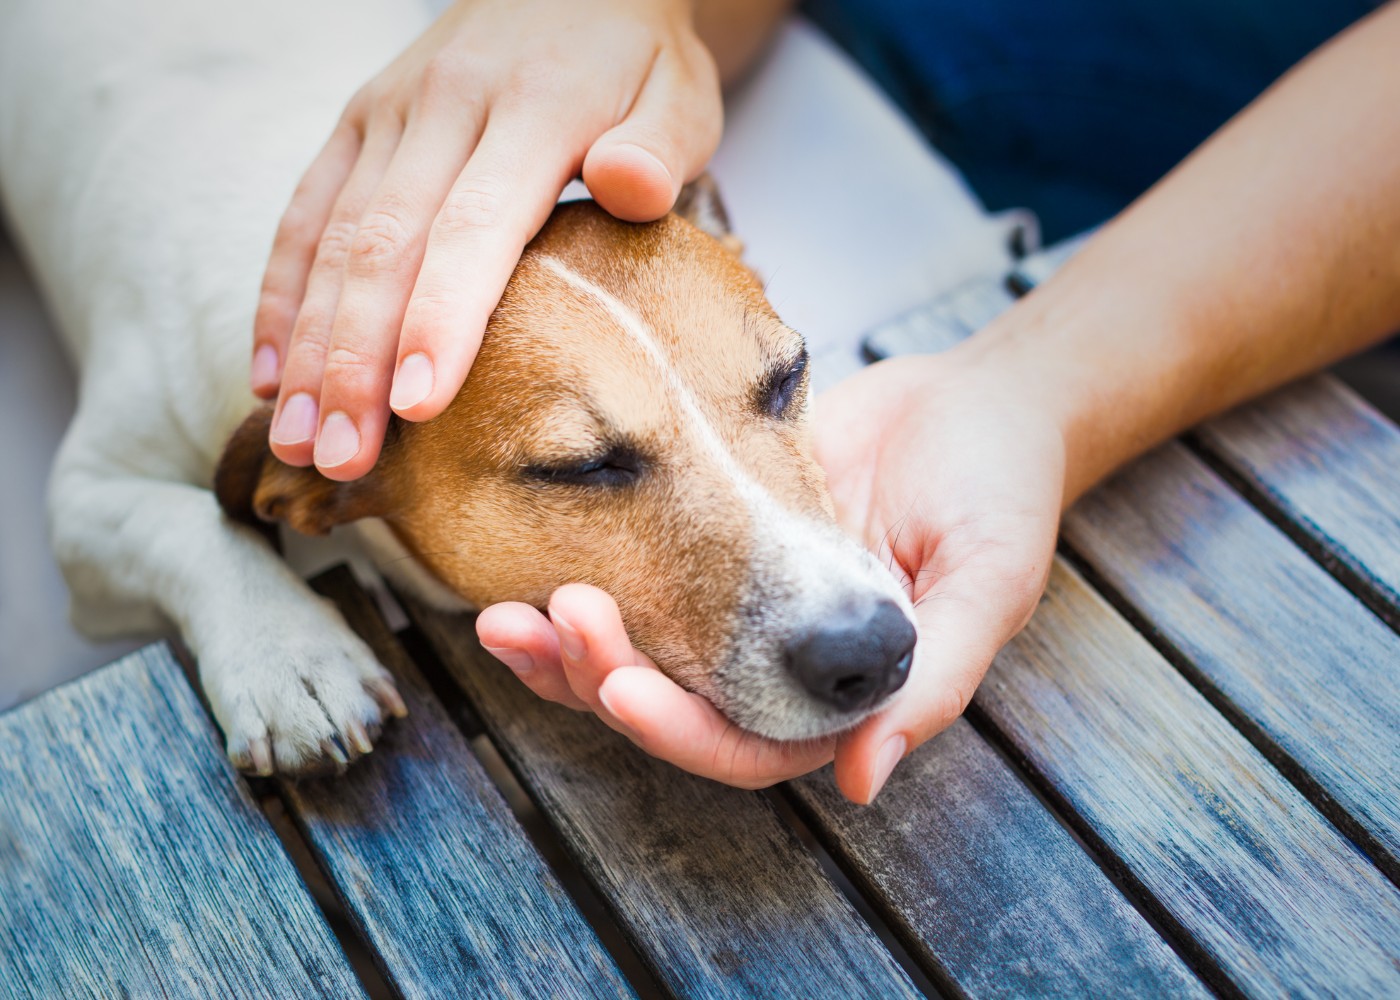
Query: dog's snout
column 853, row 661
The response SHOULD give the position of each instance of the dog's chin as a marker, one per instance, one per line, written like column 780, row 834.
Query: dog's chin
column 794, row 719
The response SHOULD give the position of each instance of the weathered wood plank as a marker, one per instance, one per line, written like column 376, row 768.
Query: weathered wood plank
column 1225, row 849
column 451, row 895
column 984, row 887
column 1326, row 466
column 1292, row 657
column 133, row 861
column 714, row 890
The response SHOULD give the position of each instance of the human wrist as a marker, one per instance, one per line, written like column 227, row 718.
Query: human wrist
column 1108, row 371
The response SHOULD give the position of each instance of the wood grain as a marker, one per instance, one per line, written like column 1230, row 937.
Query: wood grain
column 444, row 884
column 1326, row 466
column 1278, row 643
column 133, row 861
column 714, row 890
column 1291, row 657
column 1259, row 884
column 985, row 888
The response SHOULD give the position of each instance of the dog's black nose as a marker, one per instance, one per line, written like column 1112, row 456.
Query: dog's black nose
column 855, row 659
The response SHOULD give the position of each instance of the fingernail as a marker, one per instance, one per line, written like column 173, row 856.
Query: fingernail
column 413, row 382
column 569, row 640
column 650, row 156
column 517, row 659
column 264, row 367
column 297, row 421
column 890, row 754
column 338, row 442
column 606, row 700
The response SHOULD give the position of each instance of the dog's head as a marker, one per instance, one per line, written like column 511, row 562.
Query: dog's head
column 635, row 420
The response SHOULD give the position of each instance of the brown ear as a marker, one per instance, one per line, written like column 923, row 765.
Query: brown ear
column 253, row 487
column 699, row 204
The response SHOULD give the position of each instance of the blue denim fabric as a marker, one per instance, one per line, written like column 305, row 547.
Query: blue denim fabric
column 1074, row 108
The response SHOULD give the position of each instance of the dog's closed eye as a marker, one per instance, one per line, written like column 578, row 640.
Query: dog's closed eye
column 782, row 385
column 616, row 467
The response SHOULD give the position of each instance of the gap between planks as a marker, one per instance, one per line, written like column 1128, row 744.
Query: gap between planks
column 1293, row 770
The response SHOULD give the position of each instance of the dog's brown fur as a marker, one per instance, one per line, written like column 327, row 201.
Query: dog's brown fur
column 558, row 382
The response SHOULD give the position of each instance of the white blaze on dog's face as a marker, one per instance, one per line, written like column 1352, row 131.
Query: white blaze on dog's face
column 636, row 420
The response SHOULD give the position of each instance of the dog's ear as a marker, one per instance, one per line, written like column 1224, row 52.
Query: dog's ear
column 699, row 204
column 253, row 487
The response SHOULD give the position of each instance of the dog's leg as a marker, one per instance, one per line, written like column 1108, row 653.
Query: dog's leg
column 290, row 684
column 147, row 148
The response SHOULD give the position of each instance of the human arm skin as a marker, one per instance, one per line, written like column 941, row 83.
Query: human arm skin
column 1270, row 252
column 402, row 234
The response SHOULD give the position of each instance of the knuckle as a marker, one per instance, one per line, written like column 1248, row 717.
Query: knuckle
column 360, row 104
column 444, row 73
column 536, row 76
column 427, row 313
column 380, row 244
column 335, row 243
column 311, row 330
column 276, row 310
column 348, row 366
column 475, row 206
column 297, row 224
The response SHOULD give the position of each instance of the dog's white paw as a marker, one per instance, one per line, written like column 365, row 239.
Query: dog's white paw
column 301, row 700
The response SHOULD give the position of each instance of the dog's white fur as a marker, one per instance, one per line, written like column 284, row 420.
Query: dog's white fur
column 131, row 134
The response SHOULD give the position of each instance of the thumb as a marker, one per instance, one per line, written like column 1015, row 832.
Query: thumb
column 959, row 634
column 635, row 170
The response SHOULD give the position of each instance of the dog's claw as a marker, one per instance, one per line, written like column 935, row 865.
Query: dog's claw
column 387, row 695
column 311, row 709
column 260, row 756
column 332, row 749
column 358, row 739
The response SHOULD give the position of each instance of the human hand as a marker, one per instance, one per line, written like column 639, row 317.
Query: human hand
column 953, row 477
column 403, row 233
column 580, row 656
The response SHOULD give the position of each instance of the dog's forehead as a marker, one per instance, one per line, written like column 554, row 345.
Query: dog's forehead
column 659, row 296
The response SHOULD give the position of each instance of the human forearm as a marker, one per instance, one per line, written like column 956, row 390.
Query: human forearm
column 737, row 31
column 1270, row 252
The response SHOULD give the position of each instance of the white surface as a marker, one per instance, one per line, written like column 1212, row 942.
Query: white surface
column 844, row 210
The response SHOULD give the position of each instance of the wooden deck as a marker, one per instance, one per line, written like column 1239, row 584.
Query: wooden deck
column 1182, row 779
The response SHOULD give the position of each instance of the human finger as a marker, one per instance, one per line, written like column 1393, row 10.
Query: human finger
column 381, row 265
column 499, row 201
column 524, row 640
column 296, row 418
column 961, row 628
column 293, row 251
column 592, row 639
column 683, row 728
column 636, row 169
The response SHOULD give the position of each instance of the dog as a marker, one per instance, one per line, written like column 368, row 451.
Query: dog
column 635, row 418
